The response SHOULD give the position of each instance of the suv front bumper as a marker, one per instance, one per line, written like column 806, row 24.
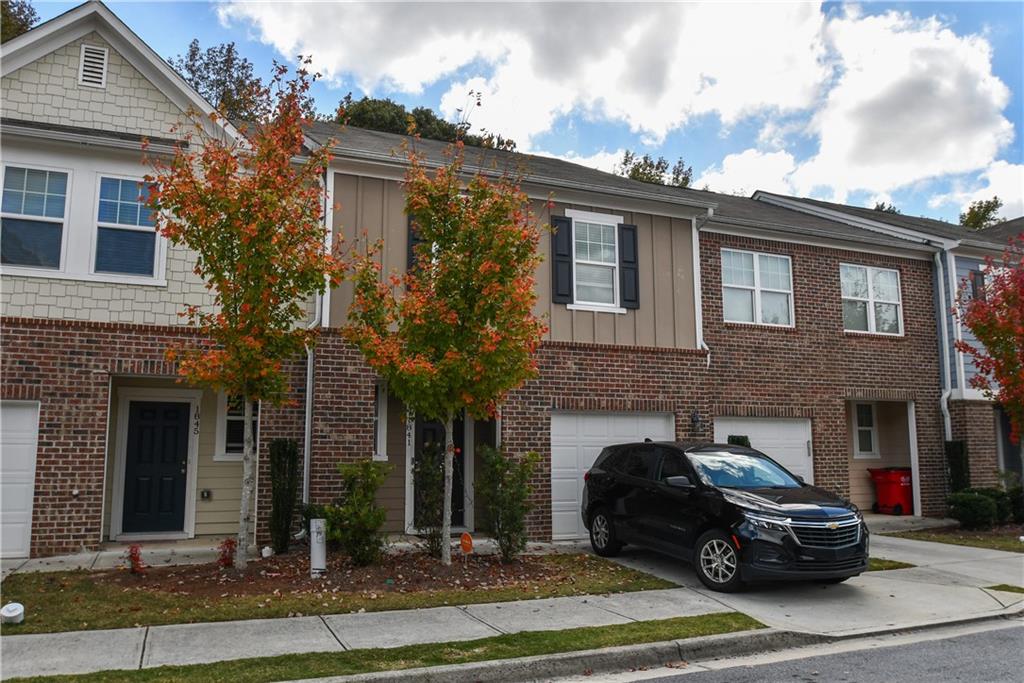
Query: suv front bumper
column 766, row 556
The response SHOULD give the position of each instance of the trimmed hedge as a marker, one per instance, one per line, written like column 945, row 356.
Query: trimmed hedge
column 972, row 510
column 1000, row 498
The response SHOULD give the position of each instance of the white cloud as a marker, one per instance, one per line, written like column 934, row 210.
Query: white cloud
column 913, row 101
column 1001, row 179
column 748, row 171
column 651, row 66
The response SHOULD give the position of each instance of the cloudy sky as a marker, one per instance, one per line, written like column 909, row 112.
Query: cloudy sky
column 915, row 103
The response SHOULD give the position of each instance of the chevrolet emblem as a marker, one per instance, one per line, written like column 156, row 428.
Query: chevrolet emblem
column 833, row 525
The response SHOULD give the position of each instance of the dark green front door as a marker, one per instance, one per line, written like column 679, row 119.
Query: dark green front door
column 432, row 434
column 156, row 463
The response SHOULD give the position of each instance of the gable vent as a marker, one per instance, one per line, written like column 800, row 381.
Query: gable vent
column 92, row 68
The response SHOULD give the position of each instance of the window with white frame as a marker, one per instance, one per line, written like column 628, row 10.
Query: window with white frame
column 865, row 431
column 380, row 422
column 871, row 299
column 595, row 259
column 33, row 211
column 231, row 427
column 757, row 288
column 126, row 228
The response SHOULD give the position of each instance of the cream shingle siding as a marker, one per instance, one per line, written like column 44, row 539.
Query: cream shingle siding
column 47, row 91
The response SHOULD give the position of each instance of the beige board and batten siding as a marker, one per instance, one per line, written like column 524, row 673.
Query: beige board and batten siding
column 893, row 449
column 219, row 514
column 665, row 318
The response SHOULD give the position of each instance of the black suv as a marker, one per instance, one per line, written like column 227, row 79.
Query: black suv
column 733, row 512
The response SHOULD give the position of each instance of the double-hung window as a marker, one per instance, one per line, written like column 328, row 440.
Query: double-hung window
column 865, row 431
column 34, row 207
column 871, row 299
column 231, row 427
column 595, row 260
column 757, row 288
column 126, row 229
column 380, row 421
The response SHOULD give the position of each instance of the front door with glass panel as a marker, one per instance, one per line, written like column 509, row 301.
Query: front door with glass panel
column 431, row 435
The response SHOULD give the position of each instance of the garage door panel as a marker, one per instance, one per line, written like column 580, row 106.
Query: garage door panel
column 785, row 440
column 18, row 428
column 576, row 441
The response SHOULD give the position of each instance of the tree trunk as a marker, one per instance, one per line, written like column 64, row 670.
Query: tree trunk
column 248, row 489
column 446, row 520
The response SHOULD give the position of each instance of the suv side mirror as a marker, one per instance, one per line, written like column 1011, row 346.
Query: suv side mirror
column 680, row 481
column 799, row 479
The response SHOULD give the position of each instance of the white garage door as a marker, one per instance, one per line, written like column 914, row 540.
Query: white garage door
column 785, row 440
column 19, row 424
column 576, row 441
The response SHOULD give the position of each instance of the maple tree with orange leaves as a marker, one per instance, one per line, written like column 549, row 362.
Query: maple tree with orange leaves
column 253, row 215
column 457, row 332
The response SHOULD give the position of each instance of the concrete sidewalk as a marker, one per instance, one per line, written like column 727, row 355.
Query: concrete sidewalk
column 89, row 651
column 947, row 584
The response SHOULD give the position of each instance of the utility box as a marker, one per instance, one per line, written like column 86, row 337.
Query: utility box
column 317, row 547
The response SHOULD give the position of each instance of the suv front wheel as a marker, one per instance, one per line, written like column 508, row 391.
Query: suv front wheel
column 603, row 539
column 717, row 562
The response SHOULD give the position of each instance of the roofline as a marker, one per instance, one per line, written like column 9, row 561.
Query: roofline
column 18, row 52
column 99, row 140
column 362, row 155
column 857, row 221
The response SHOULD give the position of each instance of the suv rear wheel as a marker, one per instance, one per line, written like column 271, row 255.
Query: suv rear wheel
column 602, row 534
column 717, row 562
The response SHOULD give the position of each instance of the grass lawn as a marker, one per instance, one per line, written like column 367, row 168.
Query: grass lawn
column 1007, row 588
column 77, row 600
column 290, row 667
column 1000, row 538
column 877, row 564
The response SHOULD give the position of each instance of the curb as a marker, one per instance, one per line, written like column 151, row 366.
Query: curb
column 639, row 656
column 604, row 660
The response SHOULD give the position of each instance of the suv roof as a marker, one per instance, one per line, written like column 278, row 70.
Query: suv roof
column 693, row 446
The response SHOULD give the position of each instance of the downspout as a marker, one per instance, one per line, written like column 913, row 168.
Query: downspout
column 307, row 435
column 946, row 383
column 698, row 312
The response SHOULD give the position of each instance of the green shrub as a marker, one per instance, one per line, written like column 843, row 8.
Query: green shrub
column 1000, row 498
column 356, row 522
column 972, row 510
column 505, row 490
column 959, row 470
column 428, row 506
column 284, row 483
column 1015, row 494
column 738, row 440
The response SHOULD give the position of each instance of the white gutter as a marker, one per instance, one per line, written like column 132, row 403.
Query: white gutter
column 946, row 382
column 698, row 313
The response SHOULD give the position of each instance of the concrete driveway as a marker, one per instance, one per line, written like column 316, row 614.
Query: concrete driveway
column 946, row 585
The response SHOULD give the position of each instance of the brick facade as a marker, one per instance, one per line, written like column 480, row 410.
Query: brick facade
column 974, row 423
column 67, row 367
column 812, row 369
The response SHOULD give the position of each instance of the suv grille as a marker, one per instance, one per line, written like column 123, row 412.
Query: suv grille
column 819, row 535
column 826, row 566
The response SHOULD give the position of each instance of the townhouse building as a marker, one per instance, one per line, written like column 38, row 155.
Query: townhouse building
column 674, row 314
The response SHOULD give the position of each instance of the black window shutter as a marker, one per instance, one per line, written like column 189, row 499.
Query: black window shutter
column 561, row 260
column 629, row 267
column 414, row 239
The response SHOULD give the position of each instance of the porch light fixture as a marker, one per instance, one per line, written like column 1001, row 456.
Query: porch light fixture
column 696, row 423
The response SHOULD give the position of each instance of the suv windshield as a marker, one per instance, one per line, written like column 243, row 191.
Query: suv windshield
column 741, row 471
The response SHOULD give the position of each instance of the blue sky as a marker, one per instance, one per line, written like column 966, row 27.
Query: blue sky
column 917, row 103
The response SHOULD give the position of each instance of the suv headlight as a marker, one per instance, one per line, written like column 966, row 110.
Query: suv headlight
column 769, row 522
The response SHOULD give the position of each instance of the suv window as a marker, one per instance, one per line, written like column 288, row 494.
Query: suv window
column 672, row 464
column 636, row 462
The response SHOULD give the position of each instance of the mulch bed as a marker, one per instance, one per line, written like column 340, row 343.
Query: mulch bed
column 403, row 572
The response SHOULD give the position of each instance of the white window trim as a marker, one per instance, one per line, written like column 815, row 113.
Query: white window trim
column 220, row 453
column 77, row 245
column 870, row 300
column 159, row 242
column 874, row 453
column 102, row 85
column 380, row 418
column 757, row 288
column 41, row 270
column 602, row 219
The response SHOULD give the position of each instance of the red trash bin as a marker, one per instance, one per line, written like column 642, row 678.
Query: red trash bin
column 894, row 490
